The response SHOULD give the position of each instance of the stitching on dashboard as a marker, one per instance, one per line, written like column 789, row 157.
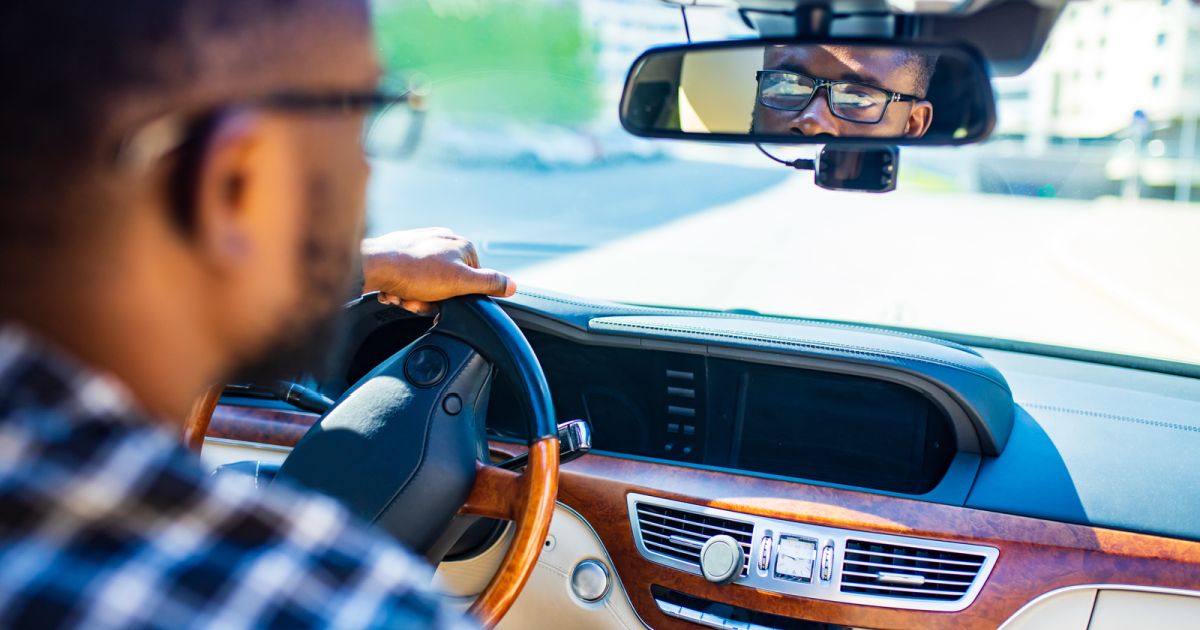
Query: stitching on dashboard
column 553, row 568
column 758, row 318
column 1097, row 414
column 813, row 344
column 608, row 605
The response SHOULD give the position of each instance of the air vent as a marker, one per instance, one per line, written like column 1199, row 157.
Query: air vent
column 679, row 534
column 910, row 572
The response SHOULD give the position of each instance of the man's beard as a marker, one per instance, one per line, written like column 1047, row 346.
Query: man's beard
column 304, row 348
column 304, row 344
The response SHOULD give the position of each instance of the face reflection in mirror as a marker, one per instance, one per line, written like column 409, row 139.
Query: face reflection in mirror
column 885, row 96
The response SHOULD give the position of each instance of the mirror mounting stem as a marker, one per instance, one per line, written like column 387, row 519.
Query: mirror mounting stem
column 813, row 20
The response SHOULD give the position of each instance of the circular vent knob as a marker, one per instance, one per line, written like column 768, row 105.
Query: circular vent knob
column 721, row 559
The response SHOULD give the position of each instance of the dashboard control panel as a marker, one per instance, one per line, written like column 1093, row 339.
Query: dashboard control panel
column 814, row 561
column 719, row 616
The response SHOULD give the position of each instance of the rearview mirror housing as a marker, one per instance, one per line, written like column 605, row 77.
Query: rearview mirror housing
column 805, row 91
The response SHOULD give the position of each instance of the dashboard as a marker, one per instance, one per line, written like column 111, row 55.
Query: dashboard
column 793, row 423
column 866, row 478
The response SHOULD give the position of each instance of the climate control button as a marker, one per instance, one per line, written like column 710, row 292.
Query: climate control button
column 827, row 563
column 764, row 554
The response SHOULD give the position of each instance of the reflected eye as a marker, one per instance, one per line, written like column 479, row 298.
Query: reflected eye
column 788, row 89
column 859, row 96
column 856, row 100
column 785, row 91
column 859, row 103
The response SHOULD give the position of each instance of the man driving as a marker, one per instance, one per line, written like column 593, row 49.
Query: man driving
column 183, row 197
column 867, row 91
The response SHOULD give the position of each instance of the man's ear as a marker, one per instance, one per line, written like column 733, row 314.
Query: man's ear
column 919, row 119
column 231, row 162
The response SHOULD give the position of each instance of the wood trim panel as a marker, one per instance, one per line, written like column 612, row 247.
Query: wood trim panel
column 1036, row 556
column 264, row 426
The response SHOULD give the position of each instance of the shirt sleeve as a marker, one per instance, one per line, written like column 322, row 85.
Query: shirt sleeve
column 324, row 568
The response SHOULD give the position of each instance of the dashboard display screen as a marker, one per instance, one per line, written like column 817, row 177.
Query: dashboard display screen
column 835, row 428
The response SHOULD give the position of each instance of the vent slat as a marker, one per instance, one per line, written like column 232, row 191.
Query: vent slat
column 675, row 551
column 677, row 530
column 700, row 521
column 900, row 567
column 906, row 589
column 869, row 548
column 660, row 525
column 871, row 576
column 917, row 558
column 939, row 568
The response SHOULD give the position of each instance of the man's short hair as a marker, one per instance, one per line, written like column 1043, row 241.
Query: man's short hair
column 64, row 67
column 923, row 65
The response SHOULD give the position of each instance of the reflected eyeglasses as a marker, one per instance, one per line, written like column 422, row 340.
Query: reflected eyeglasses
column 848, row 100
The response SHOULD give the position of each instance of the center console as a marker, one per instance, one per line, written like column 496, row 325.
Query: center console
column 813, row 561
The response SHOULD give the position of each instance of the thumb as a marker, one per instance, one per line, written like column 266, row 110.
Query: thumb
column 487, row 282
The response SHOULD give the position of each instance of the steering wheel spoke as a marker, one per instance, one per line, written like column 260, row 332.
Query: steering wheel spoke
column 496, row 493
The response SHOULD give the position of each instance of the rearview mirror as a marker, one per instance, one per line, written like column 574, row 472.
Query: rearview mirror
column 785, row 91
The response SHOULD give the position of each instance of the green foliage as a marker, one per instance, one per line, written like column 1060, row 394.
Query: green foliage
column 522, row 60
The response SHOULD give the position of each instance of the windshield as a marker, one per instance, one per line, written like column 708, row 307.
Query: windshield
column 1073, row 226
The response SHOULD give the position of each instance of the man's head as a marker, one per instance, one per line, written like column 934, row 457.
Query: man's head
column 225, row 249
column 894, row 70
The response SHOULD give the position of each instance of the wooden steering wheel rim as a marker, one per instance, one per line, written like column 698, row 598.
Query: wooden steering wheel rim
column 528, row 499
column 198, row 418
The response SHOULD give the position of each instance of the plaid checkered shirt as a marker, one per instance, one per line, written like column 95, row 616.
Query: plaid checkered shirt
column 107, row 522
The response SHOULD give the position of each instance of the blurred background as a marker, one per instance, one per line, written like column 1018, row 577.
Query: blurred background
column 1074, row 225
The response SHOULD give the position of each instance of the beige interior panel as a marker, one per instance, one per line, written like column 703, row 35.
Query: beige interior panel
column 1068, row 610
column 218, row 453
column 547, row 600
column 718, row 89
column 1122, row 610
column 468, row 579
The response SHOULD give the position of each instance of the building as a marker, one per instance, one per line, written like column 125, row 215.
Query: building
column 1105, row 60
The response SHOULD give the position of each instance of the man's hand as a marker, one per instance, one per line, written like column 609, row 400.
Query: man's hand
column 413, row 268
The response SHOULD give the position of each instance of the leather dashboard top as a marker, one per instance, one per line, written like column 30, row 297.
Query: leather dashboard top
column 974, row 385
column 1076, row 442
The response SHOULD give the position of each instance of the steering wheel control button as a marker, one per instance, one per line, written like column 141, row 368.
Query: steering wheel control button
column 426, row 366
column 827, row 563
column 452, row 404
column 589, row 580
column 721, row 559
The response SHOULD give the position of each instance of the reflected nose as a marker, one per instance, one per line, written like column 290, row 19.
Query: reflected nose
column 816, row 118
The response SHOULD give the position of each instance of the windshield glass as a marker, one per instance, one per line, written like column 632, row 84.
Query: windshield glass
column 1073, row 226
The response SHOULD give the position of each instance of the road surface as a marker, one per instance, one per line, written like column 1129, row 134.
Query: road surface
column 1092, row 274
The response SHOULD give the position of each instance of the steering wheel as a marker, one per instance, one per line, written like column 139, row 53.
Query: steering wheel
column 405, row 449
